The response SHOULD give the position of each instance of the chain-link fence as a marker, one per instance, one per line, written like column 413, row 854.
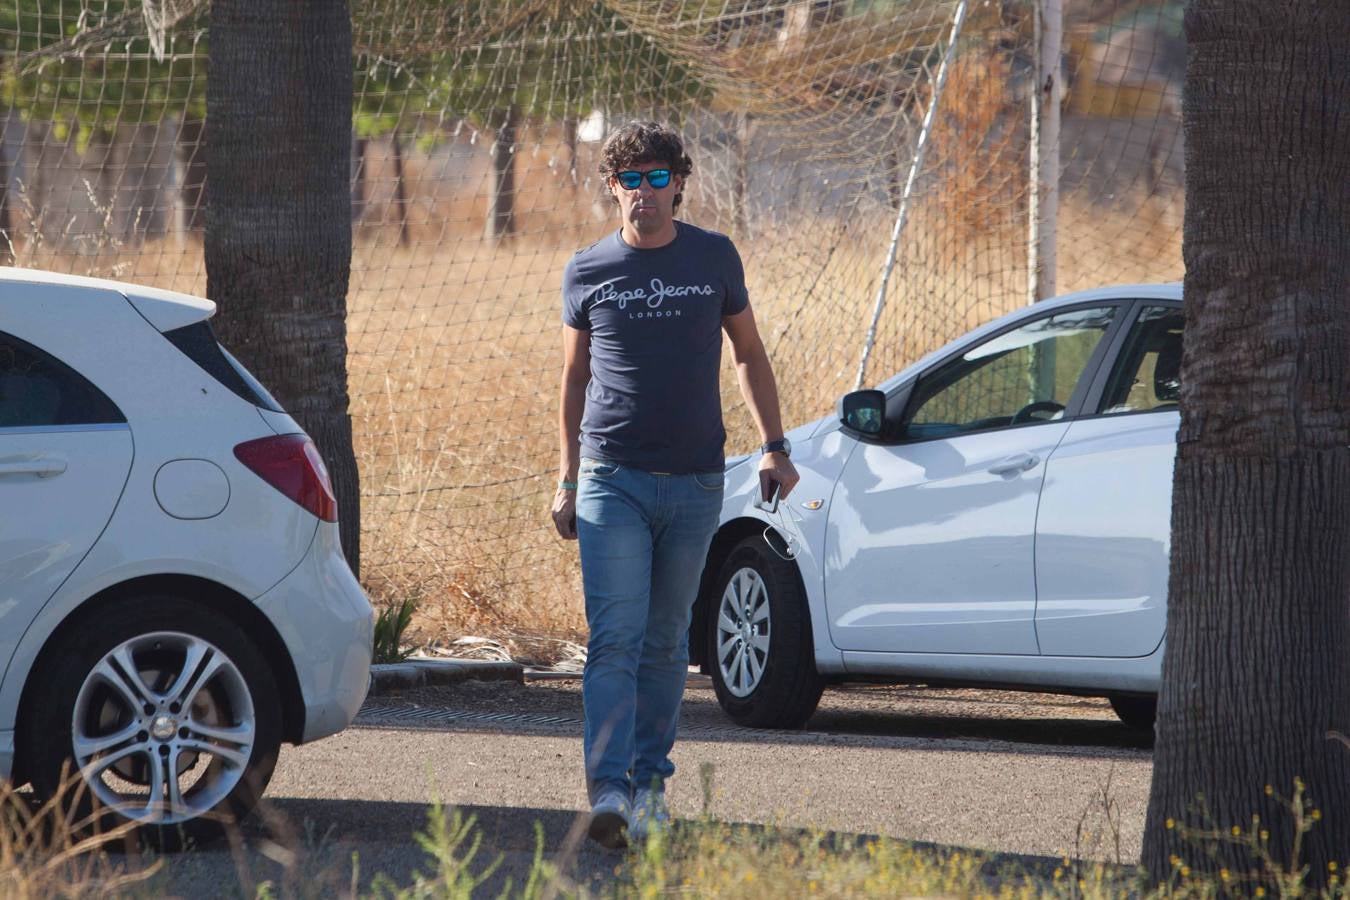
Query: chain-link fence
column 475, row 141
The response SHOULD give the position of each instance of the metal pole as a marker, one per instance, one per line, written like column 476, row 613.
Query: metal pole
column 1043, row 196
column 958, row 18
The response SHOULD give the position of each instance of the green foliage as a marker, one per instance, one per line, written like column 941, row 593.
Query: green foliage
column 389, row 627
column 425, row 60
column 1212, row 848
column 452, row 842
column 92, row 63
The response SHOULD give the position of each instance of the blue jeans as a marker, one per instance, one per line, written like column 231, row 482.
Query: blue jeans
column 644, row 539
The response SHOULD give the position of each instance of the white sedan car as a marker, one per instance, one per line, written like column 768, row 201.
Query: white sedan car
column 174, row 603
column 997, row 514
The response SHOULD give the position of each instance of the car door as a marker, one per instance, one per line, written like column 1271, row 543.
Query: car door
column 65, row 452
column 930, row 539
column 1103, row 534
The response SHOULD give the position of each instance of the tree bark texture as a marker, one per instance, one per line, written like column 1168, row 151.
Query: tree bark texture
column 501, row 217
column 278, row 224
column 1256, row 670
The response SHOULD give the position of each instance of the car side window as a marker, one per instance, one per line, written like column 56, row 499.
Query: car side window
column 1147, row 374
column 1018, row 377
column 37, row 389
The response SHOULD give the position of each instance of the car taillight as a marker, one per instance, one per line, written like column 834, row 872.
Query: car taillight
column 291, row 464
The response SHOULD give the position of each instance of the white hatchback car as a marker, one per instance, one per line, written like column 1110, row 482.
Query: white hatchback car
column 997, row 514
column 174, row 602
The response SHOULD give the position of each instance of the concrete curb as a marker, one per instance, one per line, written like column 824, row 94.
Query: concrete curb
column 386, row 678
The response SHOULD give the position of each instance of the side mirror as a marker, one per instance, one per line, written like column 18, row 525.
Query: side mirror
column 863, row 412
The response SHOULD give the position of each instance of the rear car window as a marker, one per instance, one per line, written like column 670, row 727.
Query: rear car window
column 198, row 343
column 37, row 389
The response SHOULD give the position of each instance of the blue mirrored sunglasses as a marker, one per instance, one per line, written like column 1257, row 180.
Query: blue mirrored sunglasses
column 657, row 178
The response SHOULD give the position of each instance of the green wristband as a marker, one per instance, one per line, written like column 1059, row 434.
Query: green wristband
column 567, row 485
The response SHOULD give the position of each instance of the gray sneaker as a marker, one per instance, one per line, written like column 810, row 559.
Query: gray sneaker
column 650, row 814
column 610, row 818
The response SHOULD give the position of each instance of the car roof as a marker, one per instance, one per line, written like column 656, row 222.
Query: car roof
column 1165, row 291
column 164, row 309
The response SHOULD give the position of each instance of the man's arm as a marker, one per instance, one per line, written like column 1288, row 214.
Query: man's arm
column 576, row 374
column 760, row 390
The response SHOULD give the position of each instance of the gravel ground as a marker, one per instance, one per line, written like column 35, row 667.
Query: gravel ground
column 1004, row 772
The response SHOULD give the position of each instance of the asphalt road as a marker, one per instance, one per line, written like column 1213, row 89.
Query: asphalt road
column 1011, row 773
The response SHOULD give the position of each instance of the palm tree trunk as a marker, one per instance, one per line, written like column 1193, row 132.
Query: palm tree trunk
column 1256, row 673
column 278, row 227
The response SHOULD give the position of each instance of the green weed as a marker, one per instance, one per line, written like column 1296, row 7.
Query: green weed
column 390, row 625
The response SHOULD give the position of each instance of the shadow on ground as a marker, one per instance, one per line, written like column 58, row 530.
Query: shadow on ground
column 327, row 848
column 309, row 848
column 997, row 722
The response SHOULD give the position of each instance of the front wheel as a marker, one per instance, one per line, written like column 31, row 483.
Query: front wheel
column 165, row 710
column 759, row 640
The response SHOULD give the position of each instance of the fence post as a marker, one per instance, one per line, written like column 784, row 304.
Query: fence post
column 1043, row 196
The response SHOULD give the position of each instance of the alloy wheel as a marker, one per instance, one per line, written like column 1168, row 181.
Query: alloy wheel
column 163, row 728
column 743, row 632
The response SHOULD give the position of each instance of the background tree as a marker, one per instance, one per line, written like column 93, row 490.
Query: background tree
column 1256, row 676
column 278, row 227
column 6, row 220
column 95, row 65
column 389, row 103
column 575, row 56
column 393, row 67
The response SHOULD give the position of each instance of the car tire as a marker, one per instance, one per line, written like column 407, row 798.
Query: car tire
column 208, row 712
column 1135, row 710
column 759, row 643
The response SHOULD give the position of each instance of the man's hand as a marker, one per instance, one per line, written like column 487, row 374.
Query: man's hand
column 565, row 514
column 776, row 467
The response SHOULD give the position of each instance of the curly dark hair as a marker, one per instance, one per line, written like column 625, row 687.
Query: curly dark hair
column 644, row 142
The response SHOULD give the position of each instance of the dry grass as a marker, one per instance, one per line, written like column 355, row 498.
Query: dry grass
column 454, row 351
column 696, row 857
column 41, row 856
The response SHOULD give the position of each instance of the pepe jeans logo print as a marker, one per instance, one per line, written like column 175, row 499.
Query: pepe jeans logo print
column 653, row 296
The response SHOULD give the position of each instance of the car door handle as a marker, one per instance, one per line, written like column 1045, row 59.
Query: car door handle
column 1019, row 462
column 42, row 468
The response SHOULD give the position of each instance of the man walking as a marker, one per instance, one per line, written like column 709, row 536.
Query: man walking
column 641, row 462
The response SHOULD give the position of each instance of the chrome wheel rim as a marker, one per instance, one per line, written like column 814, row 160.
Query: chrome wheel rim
column 743, row 632
column 163, row 728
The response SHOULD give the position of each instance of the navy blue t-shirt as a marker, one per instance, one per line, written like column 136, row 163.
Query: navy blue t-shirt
column 655, row 319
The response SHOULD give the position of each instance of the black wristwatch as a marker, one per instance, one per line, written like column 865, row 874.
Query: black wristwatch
column 782, row 445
